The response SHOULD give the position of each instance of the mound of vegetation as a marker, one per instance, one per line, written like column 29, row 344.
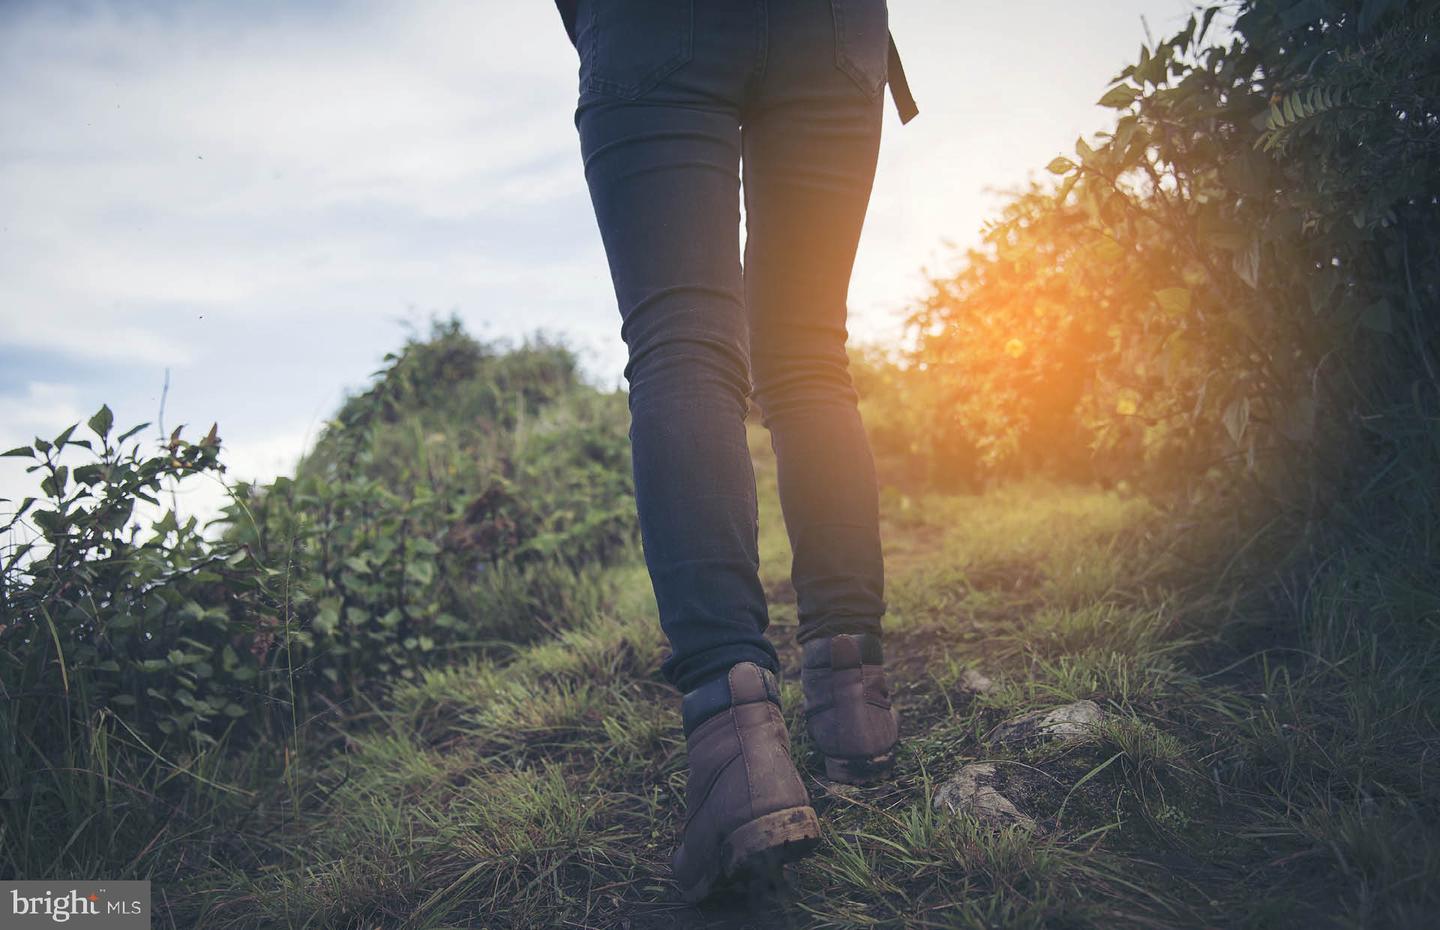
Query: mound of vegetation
column 468, row 499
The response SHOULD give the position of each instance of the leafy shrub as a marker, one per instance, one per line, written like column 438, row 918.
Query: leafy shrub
column 467, row 496
column 160, row 630
column 472, row 497
column 1237, row 281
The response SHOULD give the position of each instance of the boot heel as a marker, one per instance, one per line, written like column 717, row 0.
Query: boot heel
column 753, row 855
column 860, row 771
column 777, row 838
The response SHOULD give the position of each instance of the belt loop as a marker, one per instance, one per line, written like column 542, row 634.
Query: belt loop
column 899, row 87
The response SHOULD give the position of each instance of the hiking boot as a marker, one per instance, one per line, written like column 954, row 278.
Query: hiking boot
column 746, row 810
column 847, row 707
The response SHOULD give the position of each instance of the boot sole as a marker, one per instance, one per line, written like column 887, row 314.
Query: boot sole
column 861, row 772
column 754, row 853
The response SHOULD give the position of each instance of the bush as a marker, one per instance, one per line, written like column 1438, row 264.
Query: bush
column 1234, row 286
column 464, row 498
column 160, row 631
column 471, row 498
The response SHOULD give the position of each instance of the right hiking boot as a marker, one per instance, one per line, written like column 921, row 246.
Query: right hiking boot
column 746, row 810
column 847, row 707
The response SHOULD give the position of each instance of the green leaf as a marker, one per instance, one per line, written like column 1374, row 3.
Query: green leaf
column 1061, row 165
column 130, row 432
column 327, row 620
column 19, row 452
column 420, row 572
column 1119, row 97
column 89, row 474
column 101, row 422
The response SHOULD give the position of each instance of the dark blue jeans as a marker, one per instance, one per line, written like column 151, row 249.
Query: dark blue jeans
column 680, row 100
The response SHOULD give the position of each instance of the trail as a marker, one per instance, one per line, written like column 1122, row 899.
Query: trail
column 545, row 790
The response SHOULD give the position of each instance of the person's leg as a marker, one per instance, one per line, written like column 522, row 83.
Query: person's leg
column 662, row 164
column 810, row 144
column 661, row 141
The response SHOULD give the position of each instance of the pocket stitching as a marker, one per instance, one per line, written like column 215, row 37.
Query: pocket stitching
column 845, row 62
column 600, row 84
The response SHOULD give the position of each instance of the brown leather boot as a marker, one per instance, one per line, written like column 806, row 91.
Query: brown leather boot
column 847, row 707
column 746, row 810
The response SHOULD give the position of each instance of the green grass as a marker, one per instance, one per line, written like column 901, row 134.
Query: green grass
column 1235, row 782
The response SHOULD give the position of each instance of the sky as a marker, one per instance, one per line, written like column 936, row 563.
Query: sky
column 241, row 207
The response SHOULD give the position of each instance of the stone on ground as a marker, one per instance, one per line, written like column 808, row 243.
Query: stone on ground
column 1069, row 721
column 976, row 682
column 972, row 791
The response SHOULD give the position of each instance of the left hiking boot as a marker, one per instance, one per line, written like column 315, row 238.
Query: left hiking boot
column 847, row 707
column 746, row 810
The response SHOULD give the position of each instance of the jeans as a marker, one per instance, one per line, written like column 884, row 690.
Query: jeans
column 679, row 100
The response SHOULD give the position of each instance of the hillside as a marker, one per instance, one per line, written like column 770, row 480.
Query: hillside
column 1223, row 787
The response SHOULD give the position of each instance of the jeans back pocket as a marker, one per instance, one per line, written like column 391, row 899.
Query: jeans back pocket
column 862, row 41
column 628, row 46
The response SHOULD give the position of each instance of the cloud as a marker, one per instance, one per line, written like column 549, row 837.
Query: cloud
column 249, row 195
column 38, row 410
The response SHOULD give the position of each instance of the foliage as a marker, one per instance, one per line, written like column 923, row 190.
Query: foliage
column 456, row 501
column 470, row 499
column 1237, row 280
column 101, row 621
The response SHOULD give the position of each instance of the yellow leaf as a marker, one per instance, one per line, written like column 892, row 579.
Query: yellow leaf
column 1174, row 300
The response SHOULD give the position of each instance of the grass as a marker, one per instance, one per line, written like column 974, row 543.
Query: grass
column 1237, row 781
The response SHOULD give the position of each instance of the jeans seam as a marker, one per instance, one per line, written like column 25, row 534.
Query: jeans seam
column 762, row 49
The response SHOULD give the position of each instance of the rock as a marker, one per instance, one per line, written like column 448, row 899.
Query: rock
column 972, row 791
column 1070, row 721
column 975, row 682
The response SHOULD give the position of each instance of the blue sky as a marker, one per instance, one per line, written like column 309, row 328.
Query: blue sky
column 260, row 197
